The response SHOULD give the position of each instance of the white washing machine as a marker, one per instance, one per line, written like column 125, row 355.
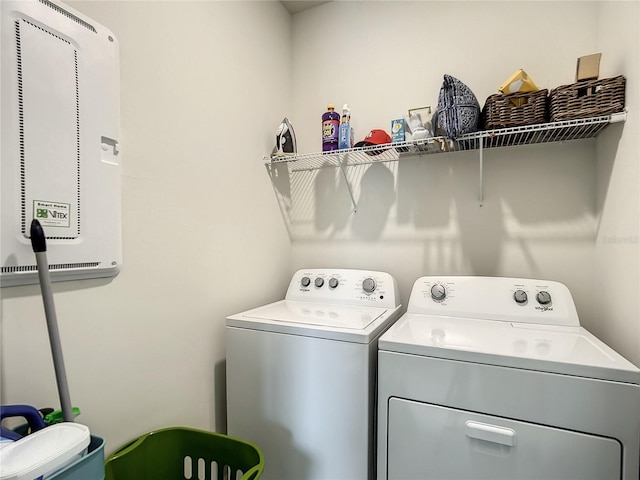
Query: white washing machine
column 301, row 374
column 494, row 378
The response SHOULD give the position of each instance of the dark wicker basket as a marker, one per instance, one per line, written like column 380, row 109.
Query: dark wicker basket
column 515, row 109
column 588, row 98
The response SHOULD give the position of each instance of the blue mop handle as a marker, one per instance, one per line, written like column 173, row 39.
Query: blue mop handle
column 39, row 245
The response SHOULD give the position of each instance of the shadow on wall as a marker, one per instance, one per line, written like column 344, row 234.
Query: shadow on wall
column 279, row 175
column 220, row 396
column 424, row 192
column 333, row 206
column 531, row 194
column 608, row 142
column 439, row 196
column 377, row 196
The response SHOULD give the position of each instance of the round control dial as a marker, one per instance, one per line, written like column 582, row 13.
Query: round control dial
column 305, row 282
column 319, row 282
column 369, row 285
column 543, row 298
column 438, row 292
column 333, row 282
column 520, row 296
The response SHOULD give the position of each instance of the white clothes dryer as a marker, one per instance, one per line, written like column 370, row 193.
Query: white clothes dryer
column 301, row 374
column 494, row 378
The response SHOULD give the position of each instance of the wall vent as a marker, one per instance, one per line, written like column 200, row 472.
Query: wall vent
column 62, row 266
column 69, row 15
column 73, row 100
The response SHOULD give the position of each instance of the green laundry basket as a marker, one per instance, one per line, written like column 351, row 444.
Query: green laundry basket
column 185, row 453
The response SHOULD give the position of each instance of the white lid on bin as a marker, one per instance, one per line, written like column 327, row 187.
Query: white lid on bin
column 43, row 452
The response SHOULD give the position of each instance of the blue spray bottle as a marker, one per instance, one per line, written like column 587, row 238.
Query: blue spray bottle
column 345, row 139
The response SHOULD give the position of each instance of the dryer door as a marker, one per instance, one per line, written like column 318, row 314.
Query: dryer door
column 429, row 441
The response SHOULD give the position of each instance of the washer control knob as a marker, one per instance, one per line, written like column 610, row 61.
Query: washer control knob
column 369, row 285
column 333, row 282
column 543, row 298
column 319, row 282
column 438, row 292
column 520, row 296
column 305, row 282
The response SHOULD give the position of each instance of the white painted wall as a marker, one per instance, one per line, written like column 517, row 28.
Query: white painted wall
column 617, row 310
column 204, row 85
column 549, row 212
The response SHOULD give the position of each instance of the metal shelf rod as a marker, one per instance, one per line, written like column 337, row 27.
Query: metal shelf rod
column 481, row 173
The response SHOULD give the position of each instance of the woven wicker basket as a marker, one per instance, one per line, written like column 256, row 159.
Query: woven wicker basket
column 588, row 98
column 515, row 109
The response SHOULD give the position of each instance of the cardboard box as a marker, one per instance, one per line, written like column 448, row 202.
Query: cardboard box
column 518, row 82
column 397, row 130
column 588, row 67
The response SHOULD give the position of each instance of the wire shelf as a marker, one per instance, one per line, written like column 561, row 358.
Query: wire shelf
column 505, row 137
column 392, row 152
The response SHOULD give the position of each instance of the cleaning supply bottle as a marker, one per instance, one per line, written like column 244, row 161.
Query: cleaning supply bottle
column 346, row 130
column 330, row 127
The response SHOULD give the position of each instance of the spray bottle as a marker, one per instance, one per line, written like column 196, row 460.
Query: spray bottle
column 346, row 130
column 330, row 126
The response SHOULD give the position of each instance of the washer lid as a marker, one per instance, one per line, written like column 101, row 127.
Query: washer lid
column 316, row 319
column 554, row 349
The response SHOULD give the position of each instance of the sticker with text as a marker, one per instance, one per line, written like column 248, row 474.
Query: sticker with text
column 52, row 214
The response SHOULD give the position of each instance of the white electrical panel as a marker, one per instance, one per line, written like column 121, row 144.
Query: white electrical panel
column 60, row 151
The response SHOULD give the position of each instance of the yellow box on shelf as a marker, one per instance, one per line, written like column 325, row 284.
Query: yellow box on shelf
column 518, row 82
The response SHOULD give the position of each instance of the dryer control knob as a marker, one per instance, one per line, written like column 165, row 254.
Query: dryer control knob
column 369, row 285
column 520, row 296
column 438, row 292
column 543, row 298
column 305, row 282
column 319, row 282
column 333, row 282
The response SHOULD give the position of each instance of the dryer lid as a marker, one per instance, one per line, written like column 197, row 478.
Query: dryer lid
column 555, row 349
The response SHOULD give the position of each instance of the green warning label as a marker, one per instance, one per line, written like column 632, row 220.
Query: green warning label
column 52, row 214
